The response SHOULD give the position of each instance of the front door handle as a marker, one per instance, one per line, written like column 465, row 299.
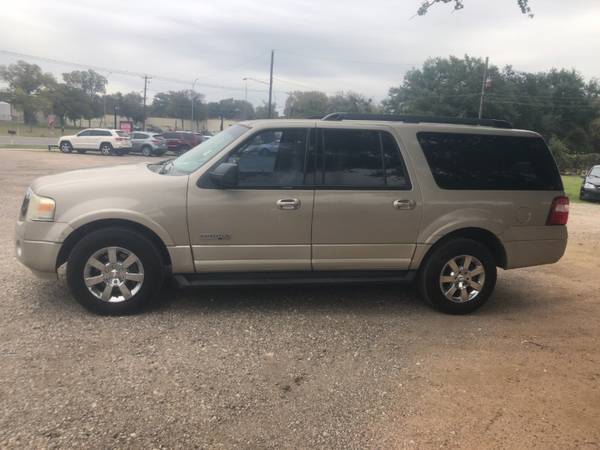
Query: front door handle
column 404, row 204
column 288, row 203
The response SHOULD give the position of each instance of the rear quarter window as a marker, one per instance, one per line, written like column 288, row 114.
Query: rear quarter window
column 490, row 162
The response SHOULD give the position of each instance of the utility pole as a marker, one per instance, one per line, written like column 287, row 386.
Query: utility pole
column 483, row 83
column 245, row 79
column 271, row 86
column 144, row 108
column 193, row 100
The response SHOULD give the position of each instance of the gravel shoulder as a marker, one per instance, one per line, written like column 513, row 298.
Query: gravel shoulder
column 334, row 367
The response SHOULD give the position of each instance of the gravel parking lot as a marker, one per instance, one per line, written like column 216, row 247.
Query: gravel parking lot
column 333, row 367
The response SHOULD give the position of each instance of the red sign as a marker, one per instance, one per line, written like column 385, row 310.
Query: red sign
column 126, row 126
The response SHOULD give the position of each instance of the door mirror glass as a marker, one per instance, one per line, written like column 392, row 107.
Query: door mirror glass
column 225, row 175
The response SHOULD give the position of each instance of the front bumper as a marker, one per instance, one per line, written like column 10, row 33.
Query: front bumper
column 37, row 245
column 590, row 194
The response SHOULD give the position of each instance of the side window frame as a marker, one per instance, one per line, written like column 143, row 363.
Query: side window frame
column 320, row 163
column 205, row 181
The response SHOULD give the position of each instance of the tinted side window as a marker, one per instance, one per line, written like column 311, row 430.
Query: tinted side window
column 490, row 162
column 395, row 171
column 272, row 158
column 102, row 133
column 85, row 133
column 362, row 159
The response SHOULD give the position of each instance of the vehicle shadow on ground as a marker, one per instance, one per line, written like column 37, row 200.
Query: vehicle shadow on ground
column 397, row 299
column 386, row 298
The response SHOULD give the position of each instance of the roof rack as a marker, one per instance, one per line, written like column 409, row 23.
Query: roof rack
column 495, row 123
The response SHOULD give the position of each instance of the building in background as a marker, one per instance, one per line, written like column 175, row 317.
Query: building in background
column 5, row 111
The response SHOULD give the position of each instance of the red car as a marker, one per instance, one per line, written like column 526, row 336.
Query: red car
column 181, row 141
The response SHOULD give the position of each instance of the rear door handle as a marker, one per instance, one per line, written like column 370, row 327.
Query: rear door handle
column 288, row 203
column 404, row 204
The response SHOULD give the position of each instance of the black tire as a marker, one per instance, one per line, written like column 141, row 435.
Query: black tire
column 65, row 147
column 106, row 149
column 130, row 241
column 147, row 150
column 435, row 266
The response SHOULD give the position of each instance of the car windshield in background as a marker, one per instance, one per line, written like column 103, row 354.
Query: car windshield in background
column 595, row 172
column 122, row 134
column 197, row 157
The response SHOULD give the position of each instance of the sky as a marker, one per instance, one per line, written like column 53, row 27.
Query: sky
column 362, row 46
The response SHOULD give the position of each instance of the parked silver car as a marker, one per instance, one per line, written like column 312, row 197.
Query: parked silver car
column 148, row 144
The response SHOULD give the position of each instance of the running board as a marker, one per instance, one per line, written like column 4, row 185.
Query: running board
column 295, row 278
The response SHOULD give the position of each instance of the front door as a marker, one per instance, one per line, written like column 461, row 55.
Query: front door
column 367, row 214
column 84, row 139
column 263, row 223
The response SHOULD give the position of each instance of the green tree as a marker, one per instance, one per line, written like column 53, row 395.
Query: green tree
column 92, row 84
column 231, row 108
column 131, row 106
column 262, row 111
column 350, row 102
column 27, row 84
column 306, row 104
column 557, row 102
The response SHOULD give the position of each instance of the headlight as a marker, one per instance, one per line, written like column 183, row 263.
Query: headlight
column 588, row 185
column 38, row 208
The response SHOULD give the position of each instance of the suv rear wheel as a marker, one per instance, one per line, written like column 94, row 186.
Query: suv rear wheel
column 147, row 150
column 66, row 147
column 458, row 276
column 106, row 149
column 114, row 271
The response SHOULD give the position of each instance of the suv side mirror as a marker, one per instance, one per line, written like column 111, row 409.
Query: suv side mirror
column 225, row 175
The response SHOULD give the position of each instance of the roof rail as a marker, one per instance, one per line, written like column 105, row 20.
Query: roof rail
column 419, row 119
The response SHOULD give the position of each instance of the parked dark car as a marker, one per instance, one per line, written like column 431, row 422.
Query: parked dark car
column 590, row 188
column 181, row 141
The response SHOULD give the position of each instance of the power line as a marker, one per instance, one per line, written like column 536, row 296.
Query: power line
column 119, row 71
column 347, row 61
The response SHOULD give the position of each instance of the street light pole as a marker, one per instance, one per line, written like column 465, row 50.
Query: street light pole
column 193, row 99
column 271, row 85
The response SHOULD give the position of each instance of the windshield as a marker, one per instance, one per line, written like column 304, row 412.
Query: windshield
column 196, row 157
column 595, row 172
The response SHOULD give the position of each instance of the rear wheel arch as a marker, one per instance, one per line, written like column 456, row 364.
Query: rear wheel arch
column 481, row 235
column 75, row 236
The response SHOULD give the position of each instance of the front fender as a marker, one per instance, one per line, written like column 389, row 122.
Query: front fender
column 117, row 214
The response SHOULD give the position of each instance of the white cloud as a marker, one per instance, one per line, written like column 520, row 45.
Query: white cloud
column 332, row 46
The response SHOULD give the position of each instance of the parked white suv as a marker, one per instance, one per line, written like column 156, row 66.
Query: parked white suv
column 108, row 142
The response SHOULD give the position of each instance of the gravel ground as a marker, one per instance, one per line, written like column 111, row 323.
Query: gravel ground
column 335, row 367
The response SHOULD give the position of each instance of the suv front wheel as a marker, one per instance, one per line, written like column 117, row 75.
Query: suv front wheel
column 106, row 149
column 458, row 276
column 114, row 271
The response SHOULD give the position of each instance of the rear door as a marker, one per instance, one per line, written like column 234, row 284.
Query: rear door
column 137, row 140
column 367, row 212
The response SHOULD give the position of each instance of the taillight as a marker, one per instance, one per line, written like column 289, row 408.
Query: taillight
column 559, row 211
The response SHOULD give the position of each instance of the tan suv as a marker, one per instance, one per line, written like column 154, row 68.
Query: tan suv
column 348, row 198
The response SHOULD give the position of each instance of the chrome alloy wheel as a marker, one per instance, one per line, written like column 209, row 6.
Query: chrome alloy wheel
column 462, row 278
column 106, row 149
column 113, row 274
